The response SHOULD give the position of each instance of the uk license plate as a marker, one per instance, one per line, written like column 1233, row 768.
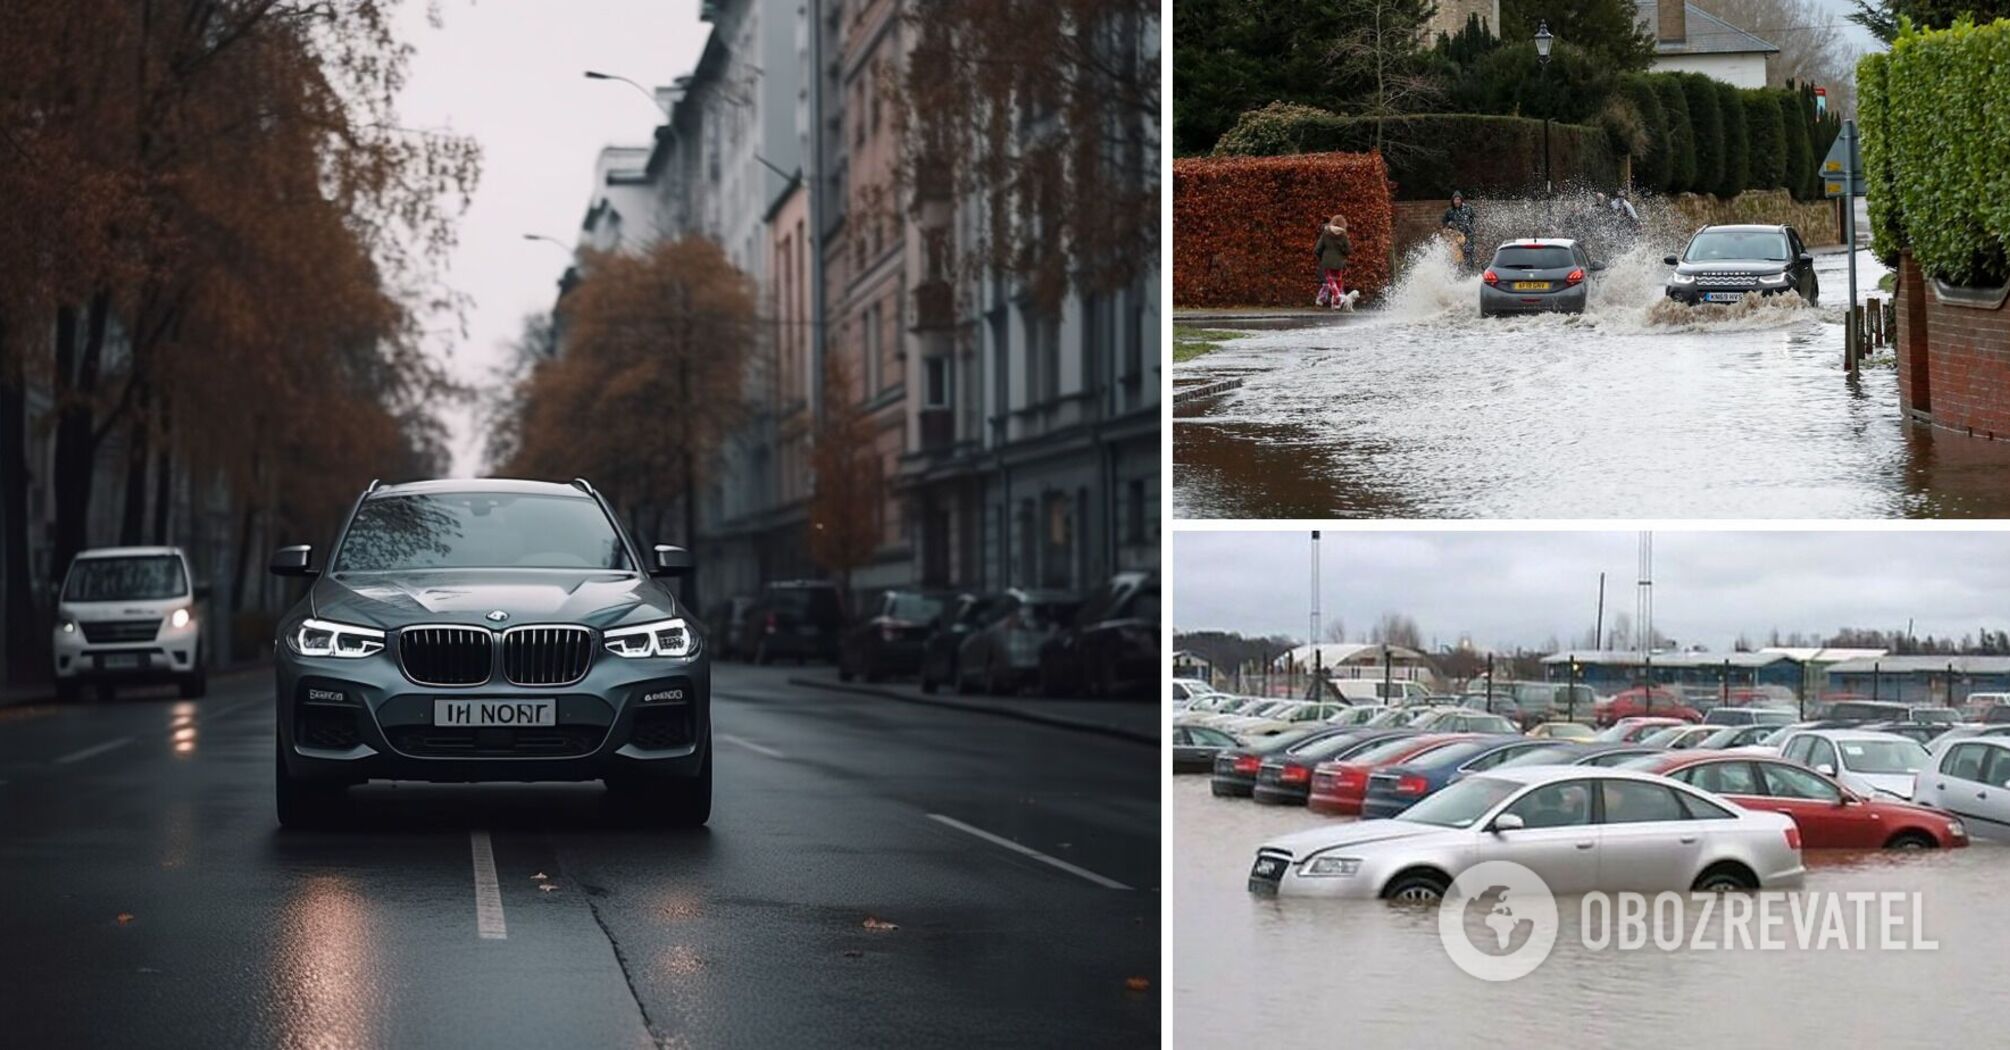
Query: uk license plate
column 1531, row 286
column 1723, row 297
column 119, row 661
column 489, row 714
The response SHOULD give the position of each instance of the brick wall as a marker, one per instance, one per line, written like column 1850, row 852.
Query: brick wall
column 1966, row 352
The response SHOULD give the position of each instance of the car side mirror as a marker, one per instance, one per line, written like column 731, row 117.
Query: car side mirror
column 1597, row 266
column 1668, row 260
column 1806, row 258
column 1826, row 770
column 668, row 560
column 293, row 561
column 1507, row 822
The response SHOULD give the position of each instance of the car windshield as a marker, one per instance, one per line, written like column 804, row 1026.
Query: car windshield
column 1459, row 805
column 142, row 578
column 1663, row 737
column 1743, row 245
column 1882, row 756
column 480, row 530
column 914, row 608
column 1541, row 756
column 1532, row 257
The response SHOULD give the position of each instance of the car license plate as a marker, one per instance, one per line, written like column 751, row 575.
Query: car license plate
column 1531, row 286
column 119, row 661
column 488, row 714
column 1723, row 297
column 1265, row 876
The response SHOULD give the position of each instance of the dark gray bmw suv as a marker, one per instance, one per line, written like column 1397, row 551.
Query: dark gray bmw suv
column 488, row 630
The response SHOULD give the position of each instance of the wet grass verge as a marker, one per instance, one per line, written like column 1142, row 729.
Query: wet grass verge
column 1190, row 342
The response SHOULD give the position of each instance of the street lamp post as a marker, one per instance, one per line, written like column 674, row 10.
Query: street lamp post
column 1543, row 40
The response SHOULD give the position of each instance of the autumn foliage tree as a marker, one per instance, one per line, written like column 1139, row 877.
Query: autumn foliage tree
column 848, row 486
column 649, row 379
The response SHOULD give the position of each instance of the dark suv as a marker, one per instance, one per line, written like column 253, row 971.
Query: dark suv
column 889, row 642
column 486, row 630
column 1539, row 275
column 796, row 619
column 1723, row 264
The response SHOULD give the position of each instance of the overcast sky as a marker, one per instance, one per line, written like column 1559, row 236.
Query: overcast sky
column 508, row 73
column 1508, row 589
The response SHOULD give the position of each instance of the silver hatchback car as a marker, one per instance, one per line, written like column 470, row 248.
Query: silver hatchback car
column 1580, row 828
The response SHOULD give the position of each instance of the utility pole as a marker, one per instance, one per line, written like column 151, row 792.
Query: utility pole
column 1598, row 626
column 1313, row 639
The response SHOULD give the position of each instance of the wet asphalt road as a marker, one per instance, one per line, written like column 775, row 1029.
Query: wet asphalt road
column 148, row 898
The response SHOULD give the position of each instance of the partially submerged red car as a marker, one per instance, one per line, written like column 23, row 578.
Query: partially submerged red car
column 1339, row 787
column 1830, row 816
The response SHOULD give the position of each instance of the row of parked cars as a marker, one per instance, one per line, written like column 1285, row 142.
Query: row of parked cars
column 1061, row 643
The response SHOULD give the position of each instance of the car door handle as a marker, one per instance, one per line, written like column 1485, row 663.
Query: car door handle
column 1982, row 794
column 1585, row 845
column 1688, row 840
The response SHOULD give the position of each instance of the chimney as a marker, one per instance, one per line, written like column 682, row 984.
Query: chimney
column 1672, row 18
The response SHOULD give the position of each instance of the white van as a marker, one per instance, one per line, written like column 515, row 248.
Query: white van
column 1375, row 691
column 128, row 615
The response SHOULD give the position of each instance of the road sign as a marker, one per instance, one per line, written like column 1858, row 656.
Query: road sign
column 1844, row 165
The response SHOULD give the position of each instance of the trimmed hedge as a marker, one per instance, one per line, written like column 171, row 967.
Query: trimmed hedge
column 1737, row 141
column 1681, row 134
column 1937, row 142
column 1244, row 227
column 1430, row 155
column 1800, row 171
column 1650, row 169
column 1767, row 135
column 1708, row 126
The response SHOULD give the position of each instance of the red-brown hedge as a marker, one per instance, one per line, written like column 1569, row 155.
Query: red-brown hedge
column 1244, row 227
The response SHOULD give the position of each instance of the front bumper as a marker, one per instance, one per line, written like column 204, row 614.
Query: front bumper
column 172, row 652
column 1692, row 295
column 356, row 720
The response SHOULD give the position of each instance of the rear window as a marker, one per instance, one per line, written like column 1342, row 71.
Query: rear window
column 143, row 578
column 1537, row 257
column 914, row 608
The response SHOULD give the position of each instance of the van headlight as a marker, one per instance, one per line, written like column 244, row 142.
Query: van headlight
column 662, row 638
column 1326, row 867
column 67, row 625
column 323, row 638
column 181, row 618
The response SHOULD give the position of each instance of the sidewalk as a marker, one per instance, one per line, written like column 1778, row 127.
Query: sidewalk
column 45, row 692
column 1263, row 316
column 1135, row 720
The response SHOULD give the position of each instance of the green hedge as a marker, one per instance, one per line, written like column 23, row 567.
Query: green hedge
column 1682, row 135
column 1767, row 137
column 1800, row 173
column 1650, row 169
column 1432, row 154
column 1708, row 125
column 1737, row 141
column 1937, row 141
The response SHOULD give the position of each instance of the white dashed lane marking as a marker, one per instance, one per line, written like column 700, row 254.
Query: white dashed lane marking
column 94, row 750
column 488, row 893
column 1000, row 840
column 750, row 745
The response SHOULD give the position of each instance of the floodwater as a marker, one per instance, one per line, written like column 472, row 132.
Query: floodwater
column 1251, row 972
column 1638, row 408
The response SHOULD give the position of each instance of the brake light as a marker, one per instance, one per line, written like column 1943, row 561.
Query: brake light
column 1794, row 837
column 771, row 623
column 1247, row 763
column 1295, row 774
column 1412, row 785
column 1576, row 276
column 1491, row 277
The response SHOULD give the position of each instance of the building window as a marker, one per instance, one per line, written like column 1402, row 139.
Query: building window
column 872, row 349
column 935, row 382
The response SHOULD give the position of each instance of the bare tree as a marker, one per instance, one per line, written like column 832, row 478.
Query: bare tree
column 1813, row 47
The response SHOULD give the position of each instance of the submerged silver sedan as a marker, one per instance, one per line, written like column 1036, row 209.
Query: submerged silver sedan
column 1581, row 828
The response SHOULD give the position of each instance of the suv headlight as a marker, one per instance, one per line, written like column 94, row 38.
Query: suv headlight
column 322, row 638
column 1323, row 867
column 1681, row 278
column 1773, row 279
column 662, row 638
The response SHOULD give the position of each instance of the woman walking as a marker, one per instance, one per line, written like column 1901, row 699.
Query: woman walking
column 1333, row 249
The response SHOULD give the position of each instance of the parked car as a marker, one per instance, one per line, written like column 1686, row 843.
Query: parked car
column 1635, row 729
column 1465, row 720
column 888, row 640
column 1866, row 711
column 1562, row 731
column 1195, row 748
column 1977, row 705
column 1537, row 275
column 1829, row 815
column 1966, row 731
column 1865, row 762
column 1339, row 787
column 1213, row 710
column 1642, row 703
column 1970, row 779
column 1187, row 690
column 1677, row 737
column 1002, row 656
column 726, row 628
column 1393, row 789
column 1284, row 778
column 966, row 613
column 1396, row 691
column 1723, row 715
column 800, row 620
column 129, row 615
column 1579, row 829
column 1923, row 732
column 1566, row 753
column 1298, row 714
column 1235, row 769
column 1112, row 648
column 1728, row 737
column 1723, row 264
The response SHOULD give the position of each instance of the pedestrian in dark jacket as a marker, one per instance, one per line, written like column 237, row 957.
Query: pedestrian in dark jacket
column 1333, row 249
column 1460, row 217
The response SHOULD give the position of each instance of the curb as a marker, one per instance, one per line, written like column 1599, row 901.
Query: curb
column 42, row 693
column 1001, row 710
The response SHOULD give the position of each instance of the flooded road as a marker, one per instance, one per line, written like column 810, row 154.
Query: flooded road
column 1252, row 972
column 1638, row 408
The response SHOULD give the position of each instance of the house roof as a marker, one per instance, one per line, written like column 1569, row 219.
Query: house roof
column 1629, row 658
column 1333, row 654
column 1707, row 34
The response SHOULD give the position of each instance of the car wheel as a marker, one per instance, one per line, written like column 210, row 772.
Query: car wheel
column 300, row 803
column 68, row 690
column 1417, row 887
column 1910, row 840
column 1725, row 878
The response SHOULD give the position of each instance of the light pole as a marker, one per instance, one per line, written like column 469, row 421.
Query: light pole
column 548, row 239
column 592, row 74
column 1543, row 40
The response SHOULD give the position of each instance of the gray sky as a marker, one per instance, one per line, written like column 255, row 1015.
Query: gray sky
column 1520, row 588
column 508, row 73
